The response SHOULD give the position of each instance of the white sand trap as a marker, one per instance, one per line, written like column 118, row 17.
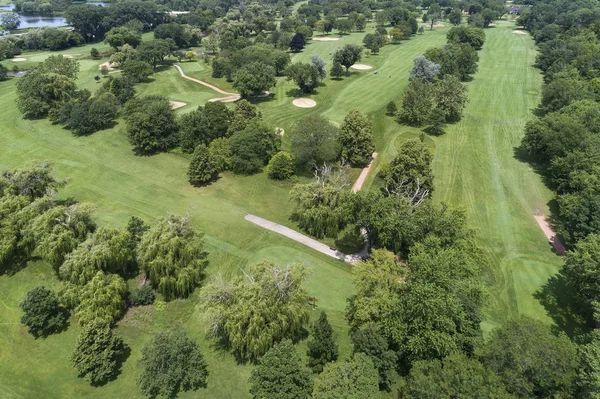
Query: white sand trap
column 177, row 104
column 438, row 25
column 19, row 59
column 361, row 67
column 279, row 131
column 70, row 55
column 491, row 25
column 519, row 32
column 108, row 65
column 304, row 103
column 326, row 39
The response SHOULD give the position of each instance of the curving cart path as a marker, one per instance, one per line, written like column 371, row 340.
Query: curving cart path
column 231, row 97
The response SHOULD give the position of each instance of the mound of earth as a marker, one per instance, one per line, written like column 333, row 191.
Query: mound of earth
column 361, row 67
column 177, row 104
column 519, row 32
column 19, row 59
column 304, row 103
column 326, row 39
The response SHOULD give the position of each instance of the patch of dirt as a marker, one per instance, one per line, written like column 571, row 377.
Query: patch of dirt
column 138, row 316
column 491, row 25
column 361, row 67
column 19, row 59
column 550, row 234
column 519, row 32
column 108, row 65
column 438, row 25
column 177, row 104
column 326, row 39
column 304, row 103
column 363, row 175
column 279, row 131
column 70, row 55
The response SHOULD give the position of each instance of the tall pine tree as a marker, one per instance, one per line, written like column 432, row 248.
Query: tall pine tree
column 323, row 348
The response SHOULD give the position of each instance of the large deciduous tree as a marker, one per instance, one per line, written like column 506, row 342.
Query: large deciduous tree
column 314, row 141
column 255, row 78
column 42, row 313
column 103, row 297
column 347, row 55
column 281, row 375
column 253, row 147
column 355, row 378
column 304, row 74
column 172, row 254
column 410, row 171
column 202, row 169
column 255, row 311
column 356, row 139
column 171, row 362
column 370, row 341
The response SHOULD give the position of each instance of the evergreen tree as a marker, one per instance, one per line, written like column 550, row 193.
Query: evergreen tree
column 323, row 348
column 98, row 353
column 202, row 169
column 356, row 139
column 281, row 375
column 298, row 42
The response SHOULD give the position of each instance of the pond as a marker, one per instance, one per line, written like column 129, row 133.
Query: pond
column 40, row 21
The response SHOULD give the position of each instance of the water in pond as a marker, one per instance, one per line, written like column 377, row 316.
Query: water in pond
column 40, row 21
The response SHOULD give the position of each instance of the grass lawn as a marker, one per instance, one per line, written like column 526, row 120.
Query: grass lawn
column 474, row 167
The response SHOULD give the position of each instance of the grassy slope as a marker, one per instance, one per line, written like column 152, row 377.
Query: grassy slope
column 475, row 166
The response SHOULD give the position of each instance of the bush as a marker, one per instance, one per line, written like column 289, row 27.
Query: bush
column 142, row 296
column 94, row 53
column 281, row 166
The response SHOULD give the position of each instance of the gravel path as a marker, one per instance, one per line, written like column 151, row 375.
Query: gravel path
column 301, row 238
column 363, row 175
column 231, row 97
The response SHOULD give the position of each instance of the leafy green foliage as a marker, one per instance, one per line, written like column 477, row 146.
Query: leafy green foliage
column 424, row 69
column 172, row 256
column 588, row 379
column 253, row 312
column 322, row 349
column 204, row 125
column 355, row 378
column 314, row 141
column 531, row 361
column 202, row 169
column 155, row 51
column 356, row 139
column 120, row 35
column 305, row 75
column 281, row 375
column 475, row 37
column 409, row 170
column 281, row 166
column 347, row 55
column 220, row 152
column 456, row 376
column 103, row 297
column 136, row 70
column 253, row 147
column 336, row 71
column 371, row 342
column 142, row 296
column 255, row 78
column 42, row 314
column 33, row 182
column 150, row 124
column 171, row 362
column 98, row 353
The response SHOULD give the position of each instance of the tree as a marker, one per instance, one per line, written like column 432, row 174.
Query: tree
column 374, row 41
column 454, row 376
column 588, row 381
column 355, row 378
column 150, row 124
column 103, row 297
column 392, row 109
column 179, row 33
column 171, row 253
column 371, row 342
column 475, row 37
column 94, row 114
column 211, row 43
column 281, row 375
column 3, row 73
column 356, row 139
column 344, row 26
column 347, row 55
column 88, row 20
column 530, row 360
column 322, row 349
column 107, row 250
column 171, row 362
column 424, row 69
column 254, row 78
column 417, row 102
column 42, row 314
column 397, row 35
column 253, row 147
column 314, row 141
column 451, row 97
column 434, row 13
column 95, row 54
column 253, row 312
column 410, row 169
column 437, row 122
column 305, row 75
column 155, row 51
column 10, row 20
column 202, row 169
column 191, row 55
column 98, row 353
column 141, row 296
column 121, row 87
column 35, row 181
column 38, row 92
column 298, row 42
column 455, row 17
column 319, row 63
column 281, row 166
column 137, row 71
column 120, row 35
column 336, row 70
column 220, row 152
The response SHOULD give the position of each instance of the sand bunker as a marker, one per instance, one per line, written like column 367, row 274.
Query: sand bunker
column 70, row 55
column 109, row 65
column 361, row 67
column 438, row 25
column 326, row 39
column 491, row 25
column 177, row 104
column 304, row 103
column 519, row 32
column 279, row 131
column 19, row 59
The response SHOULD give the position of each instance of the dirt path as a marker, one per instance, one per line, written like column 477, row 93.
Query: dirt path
column 301, row 238
column 363, row 175
column 231, row 97
column 550, row 234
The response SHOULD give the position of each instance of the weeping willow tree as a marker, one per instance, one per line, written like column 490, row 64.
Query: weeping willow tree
column 171, row 253
column 255, row 311
column 58, row 231
column 103, row 297
column 108, row 250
